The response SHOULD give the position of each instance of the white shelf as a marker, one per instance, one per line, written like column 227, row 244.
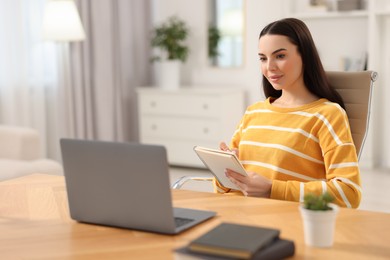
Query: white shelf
column 331, row 15
column 383, row 13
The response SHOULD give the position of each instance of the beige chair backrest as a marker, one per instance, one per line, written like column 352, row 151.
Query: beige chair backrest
column 355, row 88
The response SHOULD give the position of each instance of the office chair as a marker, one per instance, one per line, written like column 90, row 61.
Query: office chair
column 356, row 89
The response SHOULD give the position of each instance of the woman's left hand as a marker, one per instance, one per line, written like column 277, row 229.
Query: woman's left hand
column 253, row 185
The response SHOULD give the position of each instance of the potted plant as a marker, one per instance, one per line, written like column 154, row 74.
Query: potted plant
column 214, row 36
column 319, row 217
column 169, row 38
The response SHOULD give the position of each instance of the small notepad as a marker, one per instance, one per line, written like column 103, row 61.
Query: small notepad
column 217, row 161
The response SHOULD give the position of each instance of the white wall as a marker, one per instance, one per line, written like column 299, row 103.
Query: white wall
column 196, row 70
column 384, row 124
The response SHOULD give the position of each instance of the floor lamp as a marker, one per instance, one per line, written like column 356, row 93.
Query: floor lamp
column 62, row 25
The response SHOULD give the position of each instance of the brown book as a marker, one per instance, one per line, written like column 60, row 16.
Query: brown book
column 278, row 249
column 234, row 240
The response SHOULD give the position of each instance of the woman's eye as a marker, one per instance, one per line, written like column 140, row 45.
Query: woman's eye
column 262, row 58
column 280, row 56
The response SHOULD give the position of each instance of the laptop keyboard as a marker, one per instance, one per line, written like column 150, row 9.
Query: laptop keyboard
column 182, row 221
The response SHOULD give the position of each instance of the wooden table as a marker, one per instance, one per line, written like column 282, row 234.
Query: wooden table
column 35, row 224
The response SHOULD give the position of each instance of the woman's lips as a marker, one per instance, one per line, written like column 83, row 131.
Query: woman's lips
column 275, row 78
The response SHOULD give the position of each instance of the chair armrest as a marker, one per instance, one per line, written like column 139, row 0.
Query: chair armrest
column 19, row 143
column 182, row 180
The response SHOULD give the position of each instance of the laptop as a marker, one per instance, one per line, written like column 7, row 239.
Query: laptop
column 123, row 185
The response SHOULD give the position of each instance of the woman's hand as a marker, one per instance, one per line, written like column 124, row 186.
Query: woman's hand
column 253, row 185
column 223, row 146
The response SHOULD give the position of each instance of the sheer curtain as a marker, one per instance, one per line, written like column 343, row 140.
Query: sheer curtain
column 97, row 99
column 27, row 68
column 100, row 102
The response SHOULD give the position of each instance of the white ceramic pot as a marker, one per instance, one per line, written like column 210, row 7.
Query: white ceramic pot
column 169, row 74
column 319, row 226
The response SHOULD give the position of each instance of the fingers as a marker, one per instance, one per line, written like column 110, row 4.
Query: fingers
column 235, row 175
column 242, row 186
column 253, row 185
column 236, row 178
column 223, row 146
column 231, row 177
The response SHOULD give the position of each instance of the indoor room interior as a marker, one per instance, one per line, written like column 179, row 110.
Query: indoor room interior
column 102, row 78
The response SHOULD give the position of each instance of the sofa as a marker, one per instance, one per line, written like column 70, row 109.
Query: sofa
column 21, row 153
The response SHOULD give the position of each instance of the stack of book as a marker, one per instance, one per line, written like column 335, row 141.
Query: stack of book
column 236, row 241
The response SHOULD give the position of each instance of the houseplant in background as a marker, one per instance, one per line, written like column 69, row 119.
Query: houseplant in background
column 319, row 218
column 169, row 38
column 214, row 36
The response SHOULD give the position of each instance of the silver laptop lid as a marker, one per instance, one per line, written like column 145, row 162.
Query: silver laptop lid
column 118, row 184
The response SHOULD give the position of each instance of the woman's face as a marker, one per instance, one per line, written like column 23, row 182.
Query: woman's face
column 280, row 62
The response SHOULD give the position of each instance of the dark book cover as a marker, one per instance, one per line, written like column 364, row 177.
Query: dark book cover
column 278, row 249
column 234, row 240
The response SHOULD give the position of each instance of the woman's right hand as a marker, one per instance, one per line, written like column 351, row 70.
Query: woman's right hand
column 224, row 147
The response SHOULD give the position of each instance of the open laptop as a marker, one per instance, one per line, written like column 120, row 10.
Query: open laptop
column 123, row 185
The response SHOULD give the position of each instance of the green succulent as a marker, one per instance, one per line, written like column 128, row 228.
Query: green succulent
column 317, row 202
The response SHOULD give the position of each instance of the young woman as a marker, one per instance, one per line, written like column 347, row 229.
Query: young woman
column 298, row 140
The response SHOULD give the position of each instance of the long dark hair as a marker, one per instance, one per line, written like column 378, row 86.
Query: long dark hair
column 314, row 75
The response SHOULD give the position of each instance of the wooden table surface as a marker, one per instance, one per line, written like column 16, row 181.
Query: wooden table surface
column 35, row 224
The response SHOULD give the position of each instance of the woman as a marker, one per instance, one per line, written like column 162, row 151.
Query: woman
column 298, row 140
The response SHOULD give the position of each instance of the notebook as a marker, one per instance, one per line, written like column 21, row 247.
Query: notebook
column 279, row 249
column 217, row 161
column 234, row 240
column 123, row 185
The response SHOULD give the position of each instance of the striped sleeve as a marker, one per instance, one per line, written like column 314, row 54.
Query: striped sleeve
column 342, row 182
column 302, row 150
column 342, row 178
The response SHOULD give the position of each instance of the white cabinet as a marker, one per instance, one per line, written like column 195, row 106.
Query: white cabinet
column 180, row 119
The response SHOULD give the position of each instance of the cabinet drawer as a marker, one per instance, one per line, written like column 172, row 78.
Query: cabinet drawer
column 180, row 128
column 182, row 152
column 183, row 118
column 179, row 104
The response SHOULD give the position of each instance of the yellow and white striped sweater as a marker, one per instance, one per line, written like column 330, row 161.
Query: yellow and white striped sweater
column 308, row 149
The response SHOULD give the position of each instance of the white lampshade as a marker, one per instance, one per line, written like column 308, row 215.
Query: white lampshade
column 61, row 22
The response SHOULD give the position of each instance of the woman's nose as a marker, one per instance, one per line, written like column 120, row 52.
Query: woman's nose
column 271, row 65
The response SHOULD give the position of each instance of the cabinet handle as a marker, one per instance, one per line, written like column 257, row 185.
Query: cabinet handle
column 205, row 130
column 205, row 106
column 154, row 127
column 153, row 104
